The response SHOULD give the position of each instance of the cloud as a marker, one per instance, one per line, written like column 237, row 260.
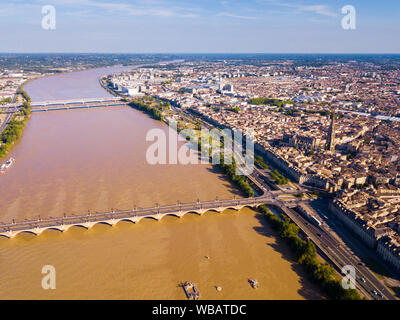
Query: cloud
column 319, row 9
column 142, row 8
column 232, row 15
column 12, row 9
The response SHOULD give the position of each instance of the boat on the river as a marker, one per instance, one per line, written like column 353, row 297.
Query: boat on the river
column 5, row 166
column 253, row 283
column 191, row 290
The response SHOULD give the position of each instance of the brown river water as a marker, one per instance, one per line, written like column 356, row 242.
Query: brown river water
column 79, row 160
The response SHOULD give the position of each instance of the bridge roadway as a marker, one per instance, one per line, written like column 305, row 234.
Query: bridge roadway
column 111, row 218
column 11, row 109
column 79, row 106
column 75, row 101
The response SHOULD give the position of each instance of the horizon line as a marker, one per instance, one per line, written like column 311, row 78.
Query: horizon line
column 186, row 53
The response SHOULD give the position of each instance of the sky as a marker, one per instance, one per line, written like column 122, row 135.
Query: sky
column 200, row 26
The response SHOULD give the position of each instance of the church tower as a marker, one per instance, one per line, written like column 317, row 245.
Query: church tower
column 330, row 143
column 221, row 83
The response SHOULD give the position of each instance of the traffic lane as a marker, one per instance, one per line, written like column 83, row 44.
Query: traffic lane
column 6, row 121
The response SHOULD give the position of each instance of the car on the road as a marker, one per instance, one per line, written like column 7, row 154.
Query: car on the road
column 363, row 280
column 374, row 292
column 380, row 295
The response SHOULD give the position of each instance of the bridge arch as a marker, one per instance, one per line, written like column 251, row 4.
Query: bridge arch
column 26, row 231
column 103, row 222
column 217, row 210
column 250, row 206
column 149, row 217
column 53, row 228
column 192, row 212
column 126, row 220
column 78, row 226
column 232, row 208
column 176, row 215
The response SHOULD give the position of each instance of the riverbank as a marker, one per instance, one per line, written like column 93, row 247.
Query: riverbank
column 152, row 107
column 15, row 127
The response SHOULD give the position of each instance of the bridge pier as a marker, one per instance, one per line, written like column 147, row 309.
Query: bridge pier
column 113, row 222
column 37, row 231
column 9, row 234
column 180, row 214
column 63, row 228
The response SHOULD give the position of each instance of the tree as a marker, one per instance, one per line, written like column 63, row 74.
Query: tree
column 236, row 109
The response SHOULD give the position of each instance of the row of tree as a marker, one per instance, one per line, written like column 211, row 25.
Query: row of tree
column 271, row 102
column 279, row 178
column 306, row 254
column 23, row 93
column 14, row 129
column 235, row 109
column 154, row 112
column 260, row 161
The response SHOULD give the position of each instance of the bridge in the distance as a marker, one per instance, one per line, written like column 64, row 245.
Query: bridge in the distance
column 134, row 215
column 53, row 105
column 73, row 101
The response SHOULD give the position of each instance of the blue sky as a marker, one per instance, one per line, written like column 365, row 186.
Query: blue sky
column 187, row 26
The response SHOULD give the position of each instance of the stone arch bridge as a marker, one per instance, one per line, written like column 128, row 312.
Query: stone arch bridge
column 135, row 215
